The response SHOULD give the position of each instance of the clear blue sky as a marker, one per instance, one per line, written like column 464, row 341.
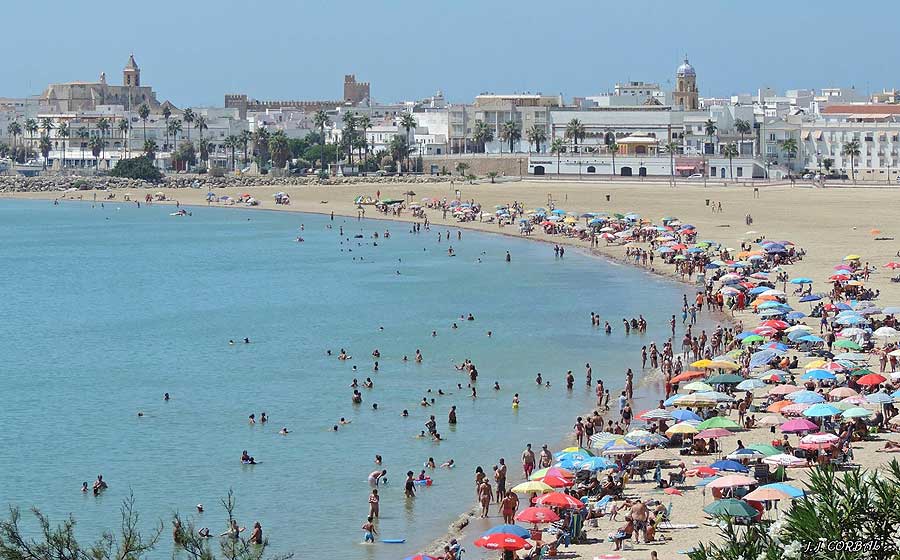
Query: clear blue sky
column 195, row 51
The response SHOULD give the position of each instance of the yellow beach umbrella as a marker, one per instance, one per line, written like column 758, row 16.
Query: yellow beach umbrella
column 701, row 363
column 815, row 364
column 682, row 428
column 723, row 365
column 852, row 258
column 532, row 486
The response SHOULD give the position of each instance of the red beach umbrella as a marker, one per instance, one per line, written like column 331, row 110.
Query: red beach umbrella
column 871, row 379
column 892, row 265
column 502, row 541
column 687, row 375
column 560, row 500
column 775, row 324
column 537, row 515
column 557, row 481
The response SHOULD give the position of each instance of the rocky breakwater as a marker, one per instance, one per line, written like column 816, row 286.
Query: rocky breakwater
column 63, row 183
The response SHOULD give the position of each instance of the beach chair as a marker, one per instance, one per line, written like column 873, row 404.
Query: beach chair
column 667, row 518
column 602, row 504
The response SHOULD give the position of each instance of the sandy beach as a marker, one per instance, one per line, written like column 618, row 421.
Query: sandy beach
column 827, row 223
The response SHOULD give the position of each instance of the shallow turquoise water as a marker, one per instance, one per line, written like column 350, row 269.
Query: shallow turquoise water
column 105, row 309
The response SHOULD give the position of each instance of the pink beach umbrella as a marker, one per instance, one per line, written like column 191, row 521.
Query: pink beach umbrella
column 798, row 425
column 784, row 389
column 794, row 409
column 841, row 392
column 713, row 433
column 731, row 481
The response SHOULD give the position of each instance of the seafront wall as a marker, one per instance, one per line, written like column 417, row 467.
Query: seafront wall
column 49, row 184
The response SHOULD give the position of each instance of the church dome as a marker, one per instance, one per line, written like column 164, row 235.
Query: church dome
column 686, row 69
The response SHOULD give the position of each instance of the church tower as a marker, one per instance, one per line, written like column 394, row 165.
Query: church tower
column 685, row 97
column 131, row 75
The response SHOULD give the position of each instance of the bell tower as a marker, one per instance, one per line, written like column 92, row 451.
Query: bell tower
column 685, row 96
column 131, row 75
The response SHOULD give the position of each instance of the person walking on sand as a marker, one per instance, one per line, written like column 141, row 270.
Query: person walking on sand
column 527, row 461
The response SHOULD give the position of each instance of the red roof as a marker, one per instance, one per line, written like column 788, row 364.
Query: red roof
column 867, row 109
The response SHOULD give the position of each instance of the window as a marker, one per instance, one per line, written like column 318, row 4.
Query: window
column 740, row 171
column 772, row 137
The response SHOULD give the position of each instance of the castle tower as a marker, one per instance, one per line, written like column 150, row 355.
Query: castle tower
column 131, row 75
column 355, row 92
column 685, row 97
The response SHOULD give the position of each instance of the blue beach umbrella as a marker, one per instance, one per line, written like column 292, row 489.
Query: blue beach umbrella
column 683, row 415
column 810, row 297
column 744, row 335
column 762, row 357
column 758, row 290
column 516, row 530
column 704, row 481
column 811, row 338
column 820, row 409
column 879, row 398
column 729, row 465
column 750, row 384
column 805, row 397
column 778, row 346
column 895, row 394
column 797, row 335
column 558, row 212
column 791, row 491
column 794, row 315
column 595, row 464
column 819, row 375
column 801, row 280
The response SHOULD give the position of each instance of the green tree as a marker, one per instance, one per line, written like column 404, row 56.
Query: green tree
column 511, row 132
column 185, row 156
column 349, row 134
column 123, row 128
column 231, row 143
column 743, row 127
column 789, row 147
column 558, row 146
column 83, row 136
column 150, row 148
column 365, row 123
column 408, row 122
column 493, row 175
column 278, row 145
column 14, row 129
column 96, row 146
column 261, row 147
column 536, row 136
column 710, row 129
column 47, row 126
column 399, row 150
column 44, row 145
column 244, row 139
column 852, row 149
column 188, row 117
column 31, row 127
column 137, row 168
column 103, row 126
column 482, row 134
column 853, row 506
column 321, row 120
column 613, row 148
column 828, row 163
column 461, row 168
column 200, row 125
column 731, row 151
column 575, row 131
column 63, row 133
column 144, row 113
column 174, row 128
column 166, row 113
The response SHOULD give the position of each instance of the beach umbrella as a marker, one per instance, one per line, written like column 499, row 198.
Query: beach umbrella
column 502, row 541
column 805, row 397
column 537, row 515
column 771, row 420
column 856, row 412
column 841, row 392
column 687, row 376
column 852, row 331
column 765, row 449
column 620, row 447
column 656, row 455
column 810, row 297
column 749, row 385
column 576, row 450
column 794, row 409
column 778, row 406
column 851, row 357
column 811, row 338
column 767, row 495
column 849, row 344
column 725, row 379
column 716, row 396
column 732, row 480
column 854, row 400
column 784, row 389
column 594, row 464
column 692, row 400
column 798, row 425
column 773, row 375
column 729, row 507
column 784, row 460
column 820, row 410
column 791, row 491
column 682, row 428
column 751, row 339
column 780, row 325
column 601, row 439
column 701, row 363
column 794, row 315
column 648, row 440
column 818, row 375
column 532, row 486
column 713, row 433
column 763, row 357
column 871, row 379
column 801, row 280
column 777, row 346
column 718, row 422
column 560, row 500
column 517, row 530
column 879, row 398
column 884, row 332
column 557, row 481
column 552, row 472
column 852, row 257
column 682, row 415
column 698, row 386
column 745, row 453
column 656, row 414
column 819, row 439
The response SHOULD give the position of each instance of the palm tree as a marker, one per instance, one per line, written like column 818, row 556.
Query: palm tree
column 461, row 168
column 399, row 149
column 231, row 143
column 511, row 132
column 408, row 122
column 123, row 128
column 83, row 135
column 31, row 126
column 349, row 133
column 482, row 134
column 47, row 126
column 103, row 126
column 281, row 150
column 731, row 151
column 613, row 148
column 200, row 124
column 14, row 129
column 321, row 120
column 96, row 148
column 188, row 116
column 150, row 148
column 365, row 123
column 852, row 149
column 557, row 147
column 710, row 128
column 144, row 112
column 789, row 146
column 361, row 145
column 261, row 146
column 44, row 146
column 174, row 129
column 575, row 131
column 63, row 132
column 166, row 113
column 536, row 136
column 244, row 141
column 743, row 127
column 672, row 147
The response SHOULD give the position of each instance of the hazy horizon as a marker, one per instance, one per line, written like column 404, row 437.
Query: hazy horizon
column 195, row 53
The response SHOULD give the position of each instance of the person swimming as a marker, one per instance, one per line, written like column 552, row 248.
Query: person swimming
column 284, row 431
column 448, row 464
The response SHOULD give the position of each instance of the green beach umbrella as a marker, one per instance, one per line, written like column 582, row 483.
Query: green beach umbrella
column 849, row 344
column 698, row 386
column 735, row 354
column 765, row 449
column 730, row 507
column 861, row 371
column 751, row 339
column 727, row 378
column 856, row 412
column 843, row 405
column 619, row 216
column 718, row 422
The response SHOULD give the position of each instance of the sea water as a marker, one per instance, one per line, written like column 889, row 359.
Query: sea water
column 105, row 309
